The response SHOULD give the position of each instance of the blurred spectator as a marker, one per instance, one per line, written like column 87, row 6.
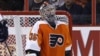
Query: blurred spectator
column 74, row 9
column 86, row 14
column 56, row 3
column 35, row 4
column 88, row 8
column 71, row 7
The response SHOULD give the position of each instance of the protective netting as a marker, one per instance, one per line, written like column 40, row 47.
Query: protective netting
column 26, row 22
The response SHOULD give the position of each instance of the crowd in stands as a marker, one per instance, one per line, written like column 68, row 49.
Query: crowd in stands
column 80, row 13
column 81, row 10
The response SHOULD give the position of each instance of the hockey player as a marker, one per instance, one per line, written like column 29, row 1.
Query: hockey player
column 48, row 37
column 3, row 29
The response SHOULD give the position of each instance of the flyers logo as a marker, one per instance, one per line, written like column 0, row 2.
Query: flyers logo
column 56, row 40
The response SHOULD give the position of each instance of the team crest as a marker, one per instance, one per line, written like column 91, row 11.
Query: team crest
column 56, row 40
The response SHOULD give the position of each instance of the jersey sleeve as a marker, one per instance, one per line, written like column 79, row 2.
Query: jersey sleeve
column 68, row 39
column 35, row 38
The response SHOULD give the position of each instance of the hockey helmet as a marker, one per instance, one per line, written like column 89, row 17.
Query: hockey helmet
column 47, row 11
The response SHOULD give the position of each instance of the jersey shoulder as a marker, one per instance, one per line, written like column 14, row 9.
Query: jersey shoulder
column 36, row 27
column 40, row 22
column 61, row 22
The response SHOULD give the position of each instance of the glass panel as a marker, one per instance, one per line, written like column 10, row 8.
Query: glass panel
column 11, row 5
column 98, row 12
column 80, row 11
column 81, row 19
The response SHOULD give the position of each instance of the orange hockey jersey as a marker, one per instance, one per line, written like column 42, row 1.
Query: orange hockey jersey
column 52, row 41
